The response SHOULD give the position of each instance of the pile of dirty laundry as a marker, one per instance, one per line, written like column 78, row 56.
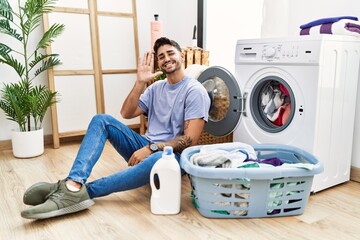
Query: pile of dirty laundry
column 243, row 155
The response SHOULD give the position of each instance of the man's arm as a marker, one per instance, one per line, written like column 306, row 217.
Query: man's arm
column 130, row 108
column 192, row 133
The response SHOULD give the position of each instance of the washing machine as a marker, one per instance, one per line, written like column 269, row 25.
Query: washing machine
column 299, row 91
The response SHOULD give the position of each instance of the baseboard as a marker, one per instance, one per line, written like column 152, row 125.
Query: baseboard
column 355, row 174
column 6, row 144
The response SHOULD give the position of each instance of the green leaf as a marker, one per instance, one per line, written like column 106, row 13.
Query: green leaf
column 14, row 63
column 4, row 50
column 5, row 10
column 31, row 24
column 40, row 58
column 34, row 9
column 38, row 7
column 49, row 63
column 14, row 103
column 7, row 29
column 40, row 99
column 54, row 31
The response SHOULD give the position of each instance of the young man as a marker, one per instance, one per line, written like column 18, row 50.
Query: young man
column 177, row 109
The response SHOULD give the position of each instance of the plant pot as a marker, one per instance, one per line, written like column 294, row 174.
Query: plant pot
column 27, row 144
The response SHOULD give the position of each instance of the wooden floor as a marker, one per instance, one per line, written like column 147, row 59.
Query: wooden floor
column 330, row 214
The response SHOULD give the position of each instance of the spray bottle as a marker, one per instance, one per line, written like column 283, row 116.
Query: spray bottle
column 165, row 182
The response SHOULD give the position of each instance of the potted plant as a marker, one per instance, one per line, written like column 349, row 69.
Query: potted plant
column 23, row 101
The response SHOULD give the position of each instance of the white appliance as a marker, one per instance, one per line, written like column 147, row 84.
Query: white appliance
column 317, row 76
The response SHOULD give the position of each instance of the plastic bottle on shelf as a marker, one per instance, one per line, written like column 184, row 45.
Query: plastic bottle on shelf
column 165, row 182
column 156, row 30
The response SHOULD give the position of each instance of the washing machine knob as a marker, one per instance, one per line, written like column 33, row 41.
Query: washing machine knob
column 270, row 52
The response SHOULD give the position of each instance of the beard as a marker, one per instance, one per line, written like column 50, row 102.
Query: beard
column 170, row 71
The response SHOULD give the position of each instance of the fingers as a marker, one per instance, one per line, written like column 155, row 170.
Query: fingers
column 148, row 59
column 138, row 156
column 143, row 62
column 145, row 70
column 135, row 158
column 132, row 161
column 151, row 60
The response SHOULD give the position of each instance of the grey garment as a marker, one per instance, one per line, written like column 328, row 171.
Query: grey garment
column 209, row 159
column 225, row 155
column 220, row 158
column 271, row 99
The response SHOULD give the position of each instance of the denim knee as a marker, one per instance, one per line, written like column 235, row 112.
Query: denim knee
column 102, row 118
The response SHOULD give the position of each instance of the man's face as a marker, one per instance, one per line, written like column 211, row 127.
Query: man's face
column 169, row 59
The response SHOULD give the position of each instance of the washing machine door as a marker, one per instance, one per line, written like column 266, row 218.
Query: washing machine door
column 226, row 100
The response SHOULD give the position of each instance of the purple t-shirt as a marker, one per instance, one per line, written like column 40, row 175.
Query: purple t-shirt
column 168, row 106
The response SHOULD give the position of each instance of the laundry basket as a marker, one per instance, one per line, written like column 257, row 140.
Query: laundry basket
column 252, row 192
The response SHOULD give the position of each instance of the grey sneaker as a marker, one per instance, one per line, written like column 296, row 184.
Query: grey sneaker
column 38, row 193
column 61, row 201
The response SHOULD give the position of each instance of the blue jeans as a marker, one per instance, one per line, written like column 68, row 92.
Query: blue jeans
column 126, row 141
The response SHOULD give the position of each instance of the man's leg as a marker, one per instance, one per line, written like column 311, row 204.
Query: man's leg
column 102, row 128
column 66, row 200
column 126, row 179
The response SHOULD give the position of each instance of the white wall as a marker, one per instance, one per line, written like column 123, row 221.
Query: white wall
column 284, row 17
column 226, row 22
column 319, row 9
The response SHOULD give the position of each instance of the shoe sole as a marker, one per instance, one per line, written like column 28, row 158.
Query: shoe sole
column 40, row 198
column 71, row 209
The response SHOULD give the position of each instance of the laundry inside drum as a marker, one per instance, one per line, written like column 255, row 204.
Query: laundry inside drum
column 220, row 98
column 275, row 103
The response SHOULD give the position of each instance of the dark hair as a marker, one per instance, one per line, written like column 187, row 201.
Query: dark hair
column 164, row 41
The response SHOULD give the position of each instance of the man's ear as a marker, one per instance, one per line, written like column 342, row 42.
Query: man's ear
column 182, row 55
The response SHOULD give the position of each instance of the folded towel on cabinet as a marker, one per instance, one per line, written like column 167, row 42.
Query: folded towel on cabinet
column 341, row 27
column 327, row 20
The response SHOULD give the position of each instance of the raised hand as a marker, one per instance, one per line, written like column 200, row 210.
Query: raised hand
column 146, row 67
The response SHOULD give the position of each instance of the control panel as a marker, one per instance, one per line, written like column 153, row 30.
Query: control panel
column 271, row 52
column 306, row 52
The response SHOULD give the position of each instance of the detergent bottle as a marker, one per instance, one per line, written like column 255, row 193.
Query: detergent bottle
column 165, row 182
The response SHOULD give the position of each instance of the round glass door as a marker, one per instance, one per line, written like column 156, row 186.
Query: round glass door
column 272, row 104
column 224, row 92
column 220, row 98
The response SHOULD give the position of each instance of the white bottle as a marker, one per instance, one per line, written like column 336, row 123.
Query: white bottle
column 166, row 194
